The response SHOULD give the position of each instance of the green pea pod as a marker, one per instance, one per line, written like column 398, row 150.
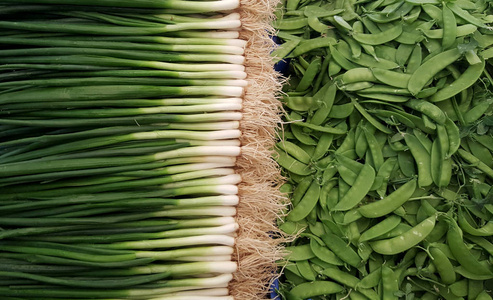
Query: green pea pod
column 484, row 295
column 311, row 44
column 461, row 270
column 453, row 136
column 477, row 111
column 477, row 163
column 356, row 75
column 461, row 13
column 350, row 281
column 427, row 108
column 300, row 103
column 315, row 288
column 390, row 203
column 390, row 283
column 465, row 80
column 290, row 23
column 327, row 96
column 406, row 240
column 297, row 253
column 414, row 60
column 385, row 172
column 486, row 230
column 341, row 249
column 428, row 69
column 461, row 253
column 371, row 280
column 324, row 253
column 403, row 54
column 307, row 203
column 289, row 163
column 370, row 118
column 422, row 158
column 301, row 189
column 459, row 288
column 323, row 146
column 481, row 152
column 305, row 270
column 381, row 228
column 444, row 266
column 310, row 74
column 283, row 50
column 379, row 38
column 440, row 167
column 341, row 111
column 358, row 191
column 295, row 151
column 391, row 78
column 481, row 242
column 375, row 150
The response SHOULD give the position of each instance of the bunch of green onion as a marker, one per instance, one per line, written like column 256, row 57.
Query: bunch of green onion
column 119, row 132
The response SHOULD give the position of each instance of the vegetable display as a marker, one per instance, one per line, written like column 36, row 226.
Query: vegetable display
column 387, row 149
column 126, row 129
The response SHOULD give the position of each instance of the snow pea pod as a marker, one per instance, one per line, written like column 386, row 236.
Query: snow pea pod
column 406, row 240
column 327, row 94
column 295, row 151
column 307, row 203
column 341, row 249
column 449, row 28
column 311, row 44
column 350, row 281
column 453, row 136
column 461, row 253
column 380, row 228
column 356, row 75
column 477, row 111
column 463, row 14
column 390, row 203
column 414, row 60
column 443, row 265
column 310, row 74
column 291, row 164
column 324, row 253
column 403, row 53
column 484, row 295
column 358, row 191
column 298, row 253
column 476, row 162
column 422, row 158
column 291, row 23
column 428, row 69
column 486, row 230
column 305, row 270
column 370, row 118
column 390, row 283
column 284, row 49
column 427, row 108
column 392, row 78
column 315, row 288
column 379, row 38
column 465, row 80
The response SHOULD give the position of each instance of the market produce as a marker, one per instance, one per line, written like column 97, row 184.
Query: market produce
column 127, row 128
column 387, row 149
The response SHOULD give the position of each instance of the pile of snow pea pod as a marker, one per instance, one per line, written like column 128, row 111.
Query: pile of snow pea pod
column 387, row 147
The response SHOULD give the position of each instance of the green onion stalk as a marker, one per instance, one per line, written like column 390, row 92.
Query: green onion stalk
column 119, row 138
